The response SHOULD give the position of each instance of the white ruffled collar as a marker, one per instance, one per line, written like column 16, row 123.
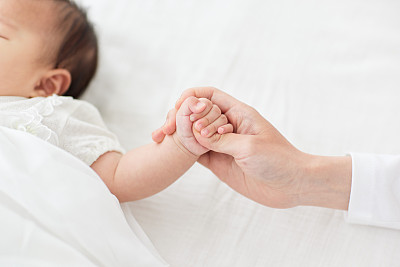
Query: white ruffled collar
column 30, row 119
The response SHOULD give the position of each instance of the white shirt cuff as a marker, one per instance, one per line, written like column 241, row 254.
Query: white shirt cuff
column 375, row 190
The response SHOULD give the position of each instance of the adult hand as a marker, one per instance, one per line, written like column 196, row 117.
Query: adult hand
column 258, row 162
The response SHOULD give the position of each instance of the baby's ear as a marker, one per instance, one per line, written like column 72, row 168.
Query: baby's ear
column 56, row 81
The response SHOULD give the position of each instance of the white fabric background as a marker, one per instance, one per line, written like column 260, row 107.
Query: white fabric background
column 325, row 73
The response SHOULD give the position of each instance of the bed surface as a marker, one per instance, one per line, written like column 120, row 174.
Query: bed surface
column 325, row 73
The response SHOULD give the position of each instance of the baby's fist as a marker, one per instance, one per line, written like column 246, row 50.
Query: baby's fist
column 209, row 121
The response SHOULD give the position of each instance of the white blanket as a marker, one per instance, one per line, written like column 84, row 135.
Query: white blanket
column 56, row 211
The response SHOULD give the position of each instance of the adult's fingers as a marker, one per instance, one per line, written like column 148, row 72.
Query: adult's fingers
column 229, row 143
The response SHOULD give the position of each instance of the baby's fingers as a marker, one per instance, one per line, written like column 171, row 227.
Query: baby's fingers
column 212, row 116
column 197, row 115
column 158, row 135
column 191, row 105
column 170, row 124
column 213, row 128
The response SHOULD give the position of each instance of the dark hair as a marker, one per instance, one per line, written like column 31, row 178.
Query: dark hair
column 78, row 50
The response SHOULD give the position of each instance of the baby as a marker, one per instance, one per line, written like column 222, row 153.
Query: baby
column 48, row 49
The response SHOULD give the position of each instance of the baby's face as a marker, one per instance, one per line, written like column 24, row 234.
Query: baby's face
column 24, row 27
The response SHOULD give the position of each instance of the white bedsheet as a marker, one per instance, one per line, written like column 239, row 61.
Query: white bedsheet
column 326, row 73
column 56, row 211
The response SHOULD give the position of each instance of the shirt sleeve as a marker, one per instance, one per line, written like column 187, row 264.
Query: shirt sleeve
column 375, row 191
column 86, row 136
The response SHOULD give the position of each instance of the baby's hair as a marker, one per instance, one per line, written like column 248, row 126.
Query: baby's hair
column 78, row 50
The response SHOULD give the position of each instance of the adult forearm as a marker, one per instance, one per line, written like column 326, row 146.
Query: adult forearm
column 326, row 182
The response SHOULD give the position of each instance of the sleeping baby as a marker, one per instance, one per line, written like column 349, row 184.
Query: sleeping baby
column 48, row 55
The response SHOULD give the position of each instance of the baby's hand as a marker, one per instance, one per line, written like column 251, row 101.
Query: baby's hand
column 208, row 121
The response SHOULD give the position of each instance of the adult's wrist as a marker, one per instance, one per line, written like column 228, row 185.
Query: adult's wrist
column 326, row 182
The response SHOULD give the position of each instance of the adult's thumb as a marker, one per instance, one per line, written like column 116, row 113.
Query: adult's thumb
column 229, row 143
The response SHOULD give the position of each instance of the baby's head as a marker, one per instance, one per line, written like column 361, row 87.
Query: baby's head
column 46, row 47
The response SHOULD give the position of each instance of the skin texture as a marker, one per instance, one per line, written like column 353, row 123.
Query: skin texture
column 259, row 163
column 25, row 66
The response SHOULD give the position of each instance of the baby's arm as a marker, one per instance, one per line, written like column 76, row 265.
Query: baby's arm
column 147, row 170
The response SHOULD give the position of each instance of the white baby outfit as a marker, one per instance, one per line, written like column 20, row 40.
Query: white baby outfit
column 73, row 125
